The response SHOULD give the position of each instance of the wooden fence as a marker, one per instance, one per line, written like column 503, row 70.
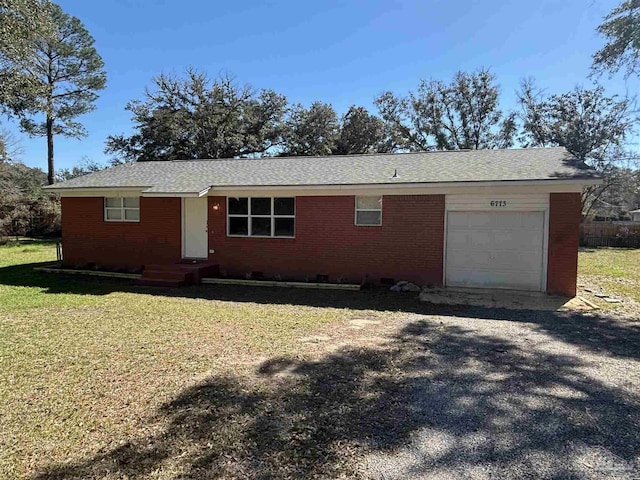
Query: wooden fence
column 610, row 234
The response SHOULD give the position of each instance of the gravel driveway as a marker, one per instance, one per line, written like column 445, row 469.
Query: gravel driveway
column 396, row 388
column 515, row 394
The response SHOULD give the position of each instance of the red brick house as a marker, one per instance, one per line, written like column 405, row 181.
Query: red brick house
column 487, row 218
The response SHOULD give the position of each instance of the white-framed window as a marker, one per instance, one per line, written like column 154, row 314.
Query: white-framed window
column 122, row 209
column 369, row 211
column 261, row 217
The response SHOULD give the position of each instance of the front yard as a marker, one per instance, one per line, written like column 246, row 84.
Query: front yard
column 101, row 379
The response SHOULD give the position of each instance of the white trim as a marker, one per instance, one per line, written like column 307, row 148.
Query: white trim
column 469, row 190
column 384, row 186
column 183, row 225
column 122, row 209
column 250, row 218
column 355, row 216
column 560, row 185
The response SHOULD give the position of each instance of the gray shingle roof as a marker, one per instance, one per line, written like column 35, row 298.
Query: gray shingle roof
column 191, row 176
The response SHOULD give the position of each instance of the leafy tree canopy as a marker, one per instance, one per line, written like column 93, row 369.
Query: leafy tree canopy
column 23, row 23
column 621, row 28
column 25, row 209
column 311, row 131
column 66, row 72
column 361, row 132
column 588, row 123
column 463, row 114
column 193, row 117
column 585, row 121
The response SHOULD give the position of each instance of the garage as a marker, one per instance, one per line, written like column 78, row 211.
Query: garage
column 495, row 249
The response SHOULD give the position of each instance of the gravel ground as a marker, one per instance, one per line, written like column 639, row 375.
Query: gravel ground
column 504, row 394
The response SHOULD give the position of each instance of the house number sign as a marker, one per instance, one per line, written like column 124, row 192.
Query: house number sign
column 498, row 203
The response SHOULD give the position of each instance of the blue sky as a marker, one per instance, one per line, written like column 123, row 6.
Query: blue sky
column 340, row 52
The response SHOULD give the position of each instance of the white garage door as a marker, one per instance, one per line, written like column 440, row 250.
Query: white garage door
column 495, row 250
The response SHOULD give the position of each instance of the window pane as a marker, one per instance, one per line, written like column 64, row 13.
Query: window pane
column 132, row 214
column 260, row 206
column 368, row 218
column 238, row 225
column 114, row 214
column 112, row 202
column 261, row 226
column 284, row 206
column 132, row 202
column 285, row 227
column 238, row 206
column 369, row 203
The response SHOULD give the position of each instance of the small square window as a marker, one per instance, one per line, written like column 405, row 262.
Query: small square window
column 284, row 206
column 368, row 218
column 132, row 214
column 284, row 227
column 238, row 226
column 238, row 206
column 131, row 202
column 260, row 227
column 122, row 209
column 260, row 206
column 113, row 202
column 369, row 211
column 368, row 203
column 114, row 214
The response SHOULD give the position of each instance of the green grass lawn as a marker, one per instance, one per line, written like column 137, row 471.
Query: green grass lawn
column 83, row 360
column 87, row 364
column 614, row 270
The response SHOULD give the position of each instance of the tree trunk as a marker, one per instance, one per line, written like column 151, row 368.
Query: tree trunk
column 51, row 170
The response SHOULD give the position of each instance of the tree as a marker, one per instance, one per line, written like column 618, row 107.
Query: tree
column 621, row 28
column 193, row 117
column 24, row 208
column 67, row 72
column 361, row 132
column 22, row 24
column 85, row 167
column 463, row 114
column 589, row 124
column 10, row 147
column 312, row 131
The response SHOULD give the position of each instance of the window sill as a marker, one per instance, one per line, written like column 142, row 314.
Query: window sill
column 260, row 236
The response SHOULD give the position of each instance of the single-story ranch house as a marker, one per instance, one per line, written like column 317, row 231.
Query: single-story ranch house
column 484, row 218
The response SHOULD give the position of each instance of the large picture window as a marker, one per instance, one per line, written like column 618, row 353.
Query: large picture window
column 369, row 211
column 261, row 216
column 122, row 209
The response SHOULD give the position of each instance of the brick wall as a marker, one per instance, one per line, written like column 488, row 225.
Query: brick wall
column 408, row 245
column 87, row 238
column 564, row 228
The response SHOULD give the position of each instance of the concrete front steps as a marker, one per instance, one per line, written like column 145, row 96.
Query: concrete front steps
column 177, row 274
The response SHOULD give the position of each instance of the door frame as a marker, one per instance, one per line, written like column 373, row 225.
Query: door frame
column 183, row 243
column 517, row 206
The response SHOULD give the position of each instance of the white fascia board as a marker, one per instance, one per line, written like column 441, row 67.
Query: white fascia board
column 98, row 192
column 556, row 186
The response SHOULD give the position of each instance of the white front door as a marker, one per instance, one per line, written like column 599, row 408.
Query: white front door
column 195, row 227
column 495, row 250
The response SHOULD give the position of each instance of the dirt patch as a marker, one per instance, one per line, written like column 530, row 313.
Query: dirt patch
column 504, row 299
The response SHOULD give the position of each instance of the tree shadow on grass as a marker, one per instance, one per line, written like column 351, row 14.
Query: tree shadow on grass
column 433, row 398
column 598, row 332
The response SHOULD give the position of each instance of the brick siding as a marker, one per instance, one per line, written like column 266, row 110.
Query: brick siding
column 564, row 229
column 408, row 245
column 87, row 238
